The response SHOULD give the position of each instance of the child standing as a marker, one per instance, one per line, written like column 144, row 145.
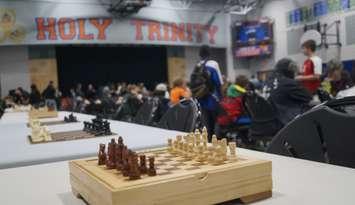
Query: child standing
column 312, row 67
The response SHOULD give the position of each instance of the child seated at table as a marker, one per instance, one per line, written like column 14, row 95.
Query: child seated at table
column 231, row 106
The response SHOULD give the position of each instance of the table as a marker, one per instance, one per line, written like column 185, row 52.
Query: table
column 295, row 182
column 16, row 150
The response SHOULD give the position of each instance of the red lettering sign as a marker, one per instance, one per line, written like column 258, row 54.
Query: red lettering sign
column 175, row 32
column 69, row 29
column 43, row 28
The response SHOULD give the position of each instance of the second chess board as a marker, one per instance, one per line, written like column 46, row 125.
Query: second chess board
column 69, row 135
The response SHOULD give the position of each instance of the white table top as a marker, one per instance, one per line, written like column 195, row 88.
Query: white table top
column 16, row 150
column 295, row 182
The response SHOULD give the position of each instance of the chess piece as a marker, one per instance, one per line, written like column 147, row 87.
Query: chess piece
column 143, row 164
column 134, row 172
column 125, row 165
column 190, row 151
column 106, row 128
column 224, row 148
column 186, row 150
column 170, row 145
column 151, row 169
column 111, row 151
column 232, row 151
column 40, row 134
column 193, row 140
column 214, row 141
column 102, row 155
column 125, row 168
column 198, row 137
column 200, row 154
column 204, row 137
column 119, row 153
column 218, row 158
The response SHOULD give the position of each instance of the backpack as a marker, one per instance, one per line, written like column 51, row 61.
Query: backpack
column 200, row 81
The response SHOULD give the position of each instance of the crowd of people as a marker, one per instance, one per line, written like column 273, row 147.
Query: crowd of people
column 289, row 89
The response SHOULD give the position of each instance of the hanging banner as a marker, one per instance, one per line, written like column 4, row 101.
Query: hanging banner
column 63, row 23
column 321, row 8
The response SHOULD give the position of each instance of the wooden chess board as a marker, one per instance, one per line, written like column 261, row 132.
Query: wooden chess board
column 69, row 135
column 42, row 114
column 178, row 181
column 57, row 122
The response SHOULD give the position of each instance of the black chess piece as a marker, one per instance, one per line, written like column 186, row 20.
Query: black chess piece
column 86, row 126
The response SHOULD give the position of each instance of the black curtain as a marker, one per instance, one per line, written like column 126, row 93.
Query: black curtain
column 101, row 65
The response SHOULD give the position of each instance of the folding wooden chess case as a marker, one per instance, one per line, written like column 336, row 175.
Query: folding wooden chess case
column 246, row 178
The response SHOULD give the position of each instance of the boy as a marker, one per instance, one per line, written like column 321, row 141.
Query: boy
column 312, row 67
column 179, row 91
column 232, row 105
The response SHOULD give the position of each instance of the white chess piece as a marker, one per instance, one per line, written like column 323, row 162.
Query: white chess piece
column 232, row 151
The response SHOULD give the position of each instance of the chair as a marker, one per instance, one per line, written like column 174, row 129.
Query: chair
column 181, row 117
column 264, row 123
column 322, row 134
column 145, row 113
column 344, row 105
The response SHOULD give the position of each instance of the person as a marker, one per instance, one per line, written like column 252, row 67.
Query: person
column 232, row 105
column 344, row 83
column 162, row 105
column 287, row 96
column 35, row 96
column 180, row 91
column 49, row 96
column 334, row 72
column 79, row 90
column 206, row 86
column 24, row 96
column 312, row 67
column 350, row 91
column 91, row 93
column 130, row 105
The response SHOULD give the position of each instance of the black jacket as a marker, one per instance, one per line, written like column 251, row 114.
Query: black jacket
column 49, row 93
column 288, row 97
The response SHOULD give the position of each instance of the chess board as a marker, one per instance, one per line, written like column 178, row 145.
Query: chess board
column 42, row 114
column 69, row 135
column 178, row 181
column 49, row 123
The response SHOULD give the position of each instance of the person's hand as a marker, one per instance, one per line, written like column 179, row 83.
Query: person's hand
column 299, row 78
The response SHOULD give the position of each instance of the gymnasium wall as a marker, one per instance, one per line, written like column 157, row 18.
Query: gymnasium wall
column 286, row 38
column 14, row 70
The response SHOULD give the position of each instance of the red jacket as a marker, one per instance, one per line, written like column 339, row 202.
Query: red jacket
column 232, row 108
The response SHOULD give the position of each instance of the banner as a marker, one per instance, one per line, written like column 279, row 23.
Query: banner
column 318, row 9
column 63, row 23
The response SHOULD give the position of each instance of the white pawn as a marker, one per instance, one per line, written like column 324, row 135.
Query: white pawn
column 232, row 151
column 214, row 140
column 198, row 137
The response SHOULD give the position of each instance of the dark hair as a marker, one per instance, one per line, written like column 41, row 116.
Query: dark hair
column 334, row 65
column 310, row 44
column 205, row 52
column 242, row 81
column 286, row 67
